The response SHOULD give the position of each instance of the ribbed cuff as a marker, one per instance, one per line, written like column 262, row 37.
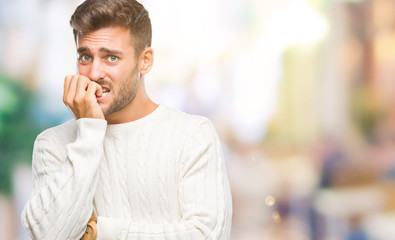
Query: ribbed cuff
column 91, row 129
column 108, row 228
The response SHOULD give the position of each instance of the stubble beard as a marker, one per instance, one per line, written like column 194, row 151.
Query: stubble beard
column 127, row 93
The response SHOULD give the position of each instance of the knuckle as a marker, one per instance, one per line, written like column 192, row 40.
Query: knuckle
column 68, row 100
column 74, row 78
column 92, row 84
column 86, row 98
column 83, row 78
column 76, row 100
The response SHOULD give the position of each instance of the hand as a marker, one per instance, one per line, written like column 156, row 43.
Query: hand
column 91, row 229
column 80, row 96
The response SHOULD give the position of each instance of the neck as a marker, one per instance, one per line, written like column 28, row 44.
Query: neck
column 140, row 107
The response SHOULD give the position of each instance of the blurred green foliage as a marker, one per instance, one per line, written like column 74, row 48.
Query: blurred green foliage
column 17, row 129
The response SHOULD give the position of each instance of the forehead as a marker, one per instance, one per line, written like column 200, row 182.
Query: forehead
column 110, row 37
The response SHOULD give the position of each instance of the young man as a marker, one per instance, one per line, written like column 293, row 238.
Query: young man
column 145, row 170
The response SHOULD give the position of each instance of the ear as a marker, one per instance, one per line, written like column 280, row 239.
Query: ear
column 146, row 60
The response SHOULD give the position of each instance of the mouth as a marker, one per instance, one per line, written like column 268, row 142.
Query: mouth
column 105, row 92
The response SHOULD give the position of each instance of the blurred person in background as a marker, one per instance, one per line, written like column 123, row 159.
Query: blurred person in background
column 145, row 170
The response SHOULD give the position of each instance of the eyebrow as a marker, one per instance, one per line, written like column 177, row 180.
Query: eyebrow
column 83, row 49
column 105, row 50
column 109, row 51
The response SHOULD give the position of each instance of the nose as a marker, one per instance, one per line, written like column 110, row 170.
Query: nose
column 96, row 71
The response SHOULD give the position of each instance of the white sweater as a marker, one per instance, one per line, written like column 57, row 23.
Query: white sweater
column 160, row 177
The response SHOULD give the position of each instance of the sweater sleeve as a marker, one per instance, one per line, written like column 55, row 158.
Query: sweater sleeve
column 204, row 197
column 64, row 182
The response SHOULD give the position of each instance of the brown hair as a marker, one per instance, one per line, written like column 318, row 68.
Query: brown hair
column 92, row 15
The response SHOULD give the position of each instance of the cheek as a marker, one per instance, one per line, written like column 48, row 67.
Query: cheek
column 113, row 73
column 83, row 70
column 119, row 73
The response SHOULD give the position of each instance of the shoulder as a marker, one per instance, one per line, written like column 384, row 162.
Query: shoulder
column 183, row 117
column 65, row 132
column 185, row 121
column 191, row 125
column 52, row 142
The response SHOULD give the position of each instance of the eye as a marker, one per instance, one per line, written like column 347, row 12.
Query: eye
column 112, row 58
column 85, row 58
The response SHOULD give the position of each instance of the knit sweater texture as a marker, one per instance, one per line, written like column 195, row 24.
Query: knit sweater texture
column 159, row 177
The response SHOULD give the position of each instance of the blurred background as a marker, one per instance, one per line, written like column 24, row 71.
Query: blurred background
column 302, row 93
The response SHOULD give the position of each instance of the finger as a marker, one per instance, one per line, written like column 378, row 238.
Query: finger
column 72, row 88
column 66, row 87
column 84, row 81
column 94, row 89
column 99, row 90
column 82, row 86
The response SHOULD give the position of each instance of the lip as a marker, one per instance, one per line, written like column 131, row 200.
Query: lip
column 103, row 96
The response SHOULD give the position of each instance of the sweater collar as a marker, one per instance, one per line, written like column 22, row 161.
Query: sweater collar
column 139, row 122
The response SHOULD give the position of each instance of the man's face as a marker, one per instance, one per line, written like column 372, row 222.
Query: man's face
column 107, row 57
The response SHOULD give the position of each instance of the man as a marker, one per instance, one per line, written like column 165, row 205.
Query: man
column 145, row 170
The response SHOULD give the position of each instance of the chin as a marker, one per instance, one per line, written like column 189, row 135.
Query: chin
column 104, row 110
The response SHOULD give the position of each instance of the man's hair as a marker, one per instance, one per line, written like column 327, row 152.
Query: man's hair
column 92, row 15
